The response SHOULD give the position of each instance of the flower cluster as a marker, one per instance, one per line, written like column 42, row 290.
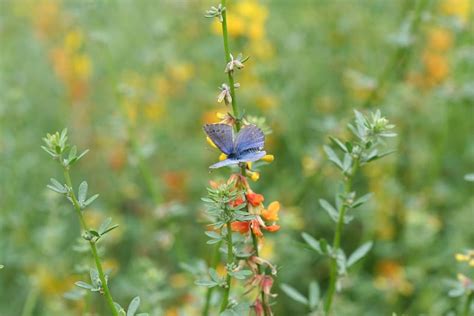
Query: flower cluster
column 265, row 218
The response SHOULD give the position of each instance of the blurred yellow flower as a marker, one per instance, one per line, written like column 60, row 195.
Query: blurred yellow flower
column 222, row 156
column 73, row 40
column 268, row 250
column 178, row 280
column 390, row 276
column 309, row 164
column 266, row 102
column 440, row 39
column 181, row 72
column 81, row 65
column 155, row 111
column 458, row 8
column 436, row 67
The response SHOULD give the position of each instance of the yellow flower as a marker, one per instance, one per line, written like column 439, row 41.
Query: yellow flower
column 154, row 111
column 222, row 157
column 440, row 39
column 73, row 41
column 268, row 158
column 252, row 10
column 235, row 26
column 457, row 8
column 436, row 66
column 182, row 72
column 271, row 213
column 267, row 102
column 81, row 66
column 255, row 176
column 210, row 142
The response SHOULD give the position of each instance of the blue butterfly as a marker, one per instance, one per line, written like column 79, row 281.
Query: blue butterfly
column 246, row 146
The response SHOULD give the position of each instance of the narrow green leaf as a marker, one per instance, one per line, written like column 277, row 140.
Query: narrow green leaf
column 84, row 285
column 333, row 213
column 82, row 155
column 214, row 275
column 82, row 194
column 213, row 235
column 108, row 230
column 313, row 243
column 333, row 157
column 363, row 199
column 133, row 306
column 105, row 224
column 294, row 294
column 206, row 283
column 313, row 295
column 119, row 309
column 90, row 200
column 72, row 154
column 338, row 143
column 359, row 253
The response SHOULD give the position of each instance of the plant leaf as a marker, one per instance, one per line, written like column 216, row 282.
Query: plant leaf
column 333, row 157
column 313, row 295
column 333, row 213
column 82, row 193
column 359, row 253
column 84, row 285
column 294, row 294
column 313, row 243
column 90, row 200
column 133, row 306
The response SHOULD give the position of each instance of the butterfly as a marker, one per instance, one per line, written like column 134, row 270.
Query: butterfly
column 246, row 146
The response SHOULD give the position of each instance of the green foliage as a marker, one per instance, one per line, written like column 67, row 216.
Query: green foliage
column 136, row 92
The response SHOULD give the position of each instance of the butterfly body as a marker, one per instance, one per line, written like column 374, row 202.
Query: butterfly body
column 246, row 146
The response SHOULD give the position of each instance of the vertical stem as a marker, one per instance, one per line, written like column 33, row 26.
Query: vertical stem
column 467, row 305
column 230, row 260
column 337, row 239
column 31, row 300
column 100, row 270
column 214, row 261
column 230, row 77
column 236, row 114
column 399, row 59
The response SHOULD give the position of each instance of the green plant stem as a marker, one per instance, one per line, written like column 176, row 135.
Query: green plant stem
column 148, row 179
column 214, row 262
column 31, row 300
column 92, row 245
column 400, row 57
column 230, row 77
column 337, row 239
column 236, row 114
column 230, row 260
column 467, row 305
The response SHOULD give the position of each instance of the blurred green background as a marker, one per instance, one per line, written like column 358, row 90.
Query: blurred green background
column 134, row 81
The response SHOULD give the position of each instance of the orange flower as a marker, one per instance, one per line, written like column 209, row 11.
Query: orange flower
column 241, row 227
column 271, row 214
column 255, row 225
column 238, row 201
column 273, row 228
column 254, row 199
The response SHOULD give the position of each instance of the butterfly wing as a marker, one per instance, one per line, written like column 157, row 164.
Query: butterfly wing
column 246, row 157
column 223, row 163
column 249, row 137
column 222, row 136
column 251, row 156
